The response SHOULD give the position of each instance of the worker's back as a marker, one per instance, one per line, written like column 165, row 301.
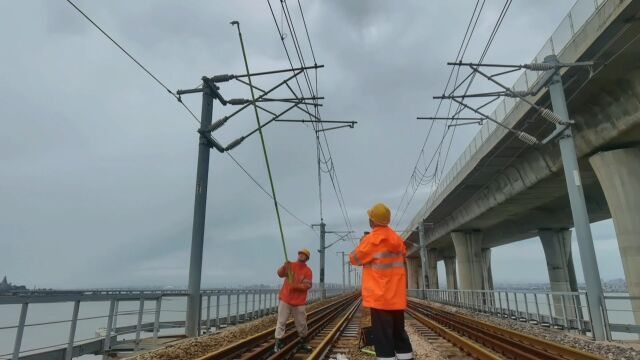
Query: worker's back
column 382, row 254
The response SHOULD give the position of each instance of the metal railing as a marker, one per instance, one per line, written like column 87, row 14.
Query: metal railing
column 561, row 310
column 564, row 310
column 572, row 23
column 113, row 313
column 620, row 317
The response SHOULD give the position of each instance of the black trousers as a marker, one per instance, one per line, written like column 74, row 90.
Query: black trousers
column 390, row 339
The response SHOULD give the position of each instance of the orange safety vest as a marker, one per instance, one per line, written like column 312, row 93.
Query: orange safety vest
column 382, row 254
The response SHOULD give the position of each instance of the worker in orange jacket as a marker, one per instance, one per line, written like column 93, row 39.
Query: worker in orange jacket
column 293, row 299
column 382, row 254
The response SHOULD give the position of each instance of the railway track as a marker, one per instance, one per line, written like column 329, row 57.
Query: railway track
column 347, row 339
column 325, row 325
column 445, row 348
column 481, row 340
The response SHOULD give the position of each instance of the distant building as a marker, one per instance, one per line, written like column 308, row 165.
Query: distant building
column 6, row 286
column 615, row 285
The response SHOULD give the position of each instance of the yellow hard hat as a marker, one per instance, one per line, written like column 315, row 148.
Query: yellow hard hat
column 306, row 252
column 380, row 214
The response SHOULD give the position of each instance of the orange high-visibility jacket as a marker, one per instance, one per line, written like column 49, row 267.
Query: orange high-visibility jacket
column 294, row 291
column 382, row 254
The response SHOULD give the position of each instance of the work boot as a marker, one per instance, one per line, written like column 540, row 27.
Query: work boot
column 279, row 345
column 304, row 346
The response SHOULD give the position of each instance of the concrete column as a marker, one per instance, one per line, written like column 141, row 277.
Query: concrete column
column 469, row 256
column 413, row 273
column 409, row 273
column 562, row 275
column 619, row 174
column 419, row 274
column 450, row 270
column 487, row 276
column 432, row 268
column 423, row 256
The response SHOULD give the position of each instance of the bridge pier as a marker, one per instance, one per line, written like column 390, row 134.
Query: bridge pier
column 468, row 247
column 487, row 276
column 432, row 268
column 450, row 271
column 618, row 172
column 562, row 275
column 413, row 273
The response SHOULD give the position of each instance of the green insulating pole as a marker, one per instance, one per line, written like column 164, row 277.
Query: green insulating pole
column 264, row 147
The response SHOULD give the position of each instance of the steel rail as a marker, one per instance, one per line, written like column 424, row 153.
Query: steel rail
column 290, row 349
column 259, row 345
column 251, row 342
column 510, row 343
column 469, row 347
column 326, row 343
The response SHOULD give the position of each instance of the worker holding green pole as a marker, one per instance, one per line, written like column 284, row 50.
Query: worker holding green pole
column 293, row 299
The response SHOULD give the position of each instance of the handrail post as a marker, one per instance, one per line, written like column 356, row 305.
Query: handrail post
column 237, row 308
column 605, row 314
column 20, row 331
column 115, row 314
column 217, row 311
column 139, row 323
column 107, row 339
column 156, row 320
column 246, row 305
column 577, row 312
column 552, row 320
column 228, row 309
column 208, row 314
column 253, row 305
column 72, row 330
column 564, row 312
column 535, row 298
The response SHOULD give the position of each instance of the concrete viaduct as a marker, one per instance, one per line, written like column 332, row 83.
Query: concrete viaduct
column 502, row 190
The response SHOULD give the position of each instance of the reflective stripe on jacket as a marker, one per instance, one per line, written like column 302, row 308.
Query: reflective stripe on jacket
column 382, row 254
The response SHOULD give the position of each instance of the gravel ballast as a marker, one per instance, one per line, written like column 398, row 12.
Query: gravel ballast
column 189, row 349
column 422, row 349
column 609, row 350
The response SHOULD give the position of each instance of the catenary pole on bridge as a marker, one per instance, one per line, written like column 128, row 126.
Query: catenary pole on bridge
column 210, row 92
column 563, row 134
column 578, row 205
column 192, row 326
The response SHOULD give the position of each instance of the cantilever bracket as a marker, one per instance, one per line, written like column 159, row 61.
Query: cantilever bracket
column 211, row 142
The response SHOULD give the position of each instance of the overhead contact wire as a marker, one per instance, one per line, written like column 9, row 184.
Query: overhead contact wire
column 421, row 152
column 331, row 170
column 159, row 82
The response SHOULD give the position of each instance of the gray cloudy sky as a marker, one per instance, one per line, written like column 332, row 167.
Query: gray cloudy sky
column 98, row 162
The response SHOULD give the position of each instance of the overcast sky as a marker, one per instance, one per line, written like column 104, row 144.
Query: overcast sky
column 99, row 162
